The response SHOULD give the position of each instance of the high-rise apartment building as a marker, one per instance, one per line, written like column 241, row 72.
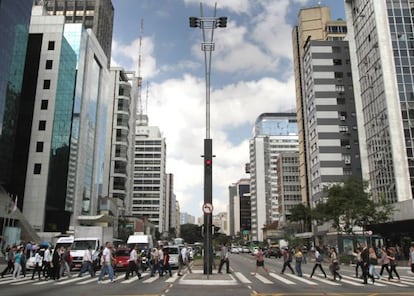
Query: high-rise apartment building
column 97, row 15
column 239, row 221
column 314, row 23
column 273, row 133
column 149, row 180
column 381, row 45
column 14, row 33
column 331, row 130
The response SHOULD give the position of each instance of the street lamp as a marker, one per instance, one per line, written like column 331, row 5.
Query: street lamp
column 207, row 25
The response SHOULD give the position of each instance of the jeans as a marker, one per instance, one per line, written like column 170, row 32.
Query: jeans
column 87, row 266
column 298, row 268
column 106, row 268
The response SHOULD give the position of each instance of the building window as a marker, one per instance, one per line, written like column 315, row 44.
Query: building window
column 49, row 64
column 42, row 125
column 44, row 104
column 39, row 147
column 37, row 168
column 46, row 84
column 51, row 45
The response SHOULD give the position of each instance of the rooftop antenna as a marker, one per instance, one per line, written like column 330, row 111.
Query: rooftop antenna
column 139, row 78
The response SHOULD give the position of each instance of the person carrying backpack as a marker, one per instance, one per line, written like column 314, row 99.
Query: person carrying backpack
column 318, row 261
column 287, row 259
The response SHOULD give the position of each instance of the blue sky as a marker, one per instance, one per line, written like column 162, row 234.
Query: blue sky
column 251, row 74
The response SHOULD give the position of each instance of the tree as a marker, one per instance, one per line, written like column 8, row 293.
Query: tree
column 349, row 205
column 191, row 233
column 301, row 213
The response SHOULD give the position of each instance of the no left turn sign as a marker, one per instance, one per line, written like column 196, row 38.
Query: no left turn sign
column 207, row 208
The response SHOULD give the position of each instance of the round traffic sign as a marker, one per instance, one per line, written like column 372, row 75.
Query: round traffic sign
column 207, row 208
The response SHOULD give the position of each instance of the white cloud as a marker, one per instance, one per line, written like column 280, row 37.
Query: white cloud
column 237, row 6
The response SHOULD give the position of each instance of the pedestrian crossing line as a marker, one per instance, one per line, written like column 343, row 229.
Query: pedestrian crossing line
column 302, row 279
column 385, row 283
column 69, row 280
column 242, row 278
column 263, row 279
column 406, row 278
column 20, row 281
column 281, row 279
column 172, row 278
column 130, row 280
column 94, row 279
column 151, row 279
column 323, row 280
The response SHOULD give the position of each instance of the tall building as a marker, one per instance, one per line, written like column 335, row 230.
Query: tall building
column 120, row 157
column 186, row 218
column 171, row 215
column 66, row 79
column 97, row 15
column 331, row 130
column 314, row 23
column 14, row 34
column 149, row 180
column 382, row 55
column 273, row 133
column 239, row 221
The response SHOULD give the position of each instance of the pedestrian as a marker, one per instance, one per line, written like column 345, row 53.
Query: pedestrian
column 260, row 261
column 411, row 258
column 334, row 264
column 318, row 261
column 47, row 263
column 23, row 260
column 298, row 261
column 365, row 263
column 305, row 254
column 66, row 262
column 287, row 259
column 87, row 263
column 154, row 261
column 358, row 261
column 160, row 260
column 373, row 261
column 133, row 263
column 224, row 258
column 56, row 262
column 37, row 264
column 166, row 263
column 183, row 260
column 10, row 261
column 106, row 263
column 393, row 263
column 384, row 261
column 17, row 263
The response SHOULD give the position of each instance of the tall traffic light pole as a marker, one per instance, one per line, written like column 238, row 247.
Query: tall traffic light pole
column 207, row 25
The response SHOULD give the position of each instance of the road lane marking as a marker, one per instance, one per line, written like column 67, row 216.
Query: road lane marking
column 263, row 279
column 301, row 279
column 323, row 280
column 282, row 279
column 242, row 278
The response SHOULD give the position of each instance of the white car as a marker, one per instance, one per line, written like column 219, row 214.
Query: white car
column 234, row 250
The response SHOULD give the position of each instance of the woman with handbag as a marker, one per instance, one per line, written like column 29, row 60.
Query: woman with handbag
column 334, row 267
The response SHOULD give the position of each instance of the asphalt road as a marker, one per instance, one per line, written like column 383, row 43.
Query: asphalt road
column 240, row 281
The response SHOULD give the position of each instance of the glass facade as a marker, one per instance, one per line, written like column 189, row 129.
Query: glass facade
column 276, row 124
column 14, row 24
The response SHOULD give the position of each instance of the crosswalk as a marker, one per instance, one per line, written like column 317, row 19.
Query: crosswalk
column 271, row 278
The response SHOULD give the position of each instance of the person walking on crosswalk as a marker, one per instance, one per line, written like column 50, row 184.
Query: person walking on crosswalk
column 287, row 259
column 318, row 261
column 298, row 261
column 260, row 261
column 334, row 266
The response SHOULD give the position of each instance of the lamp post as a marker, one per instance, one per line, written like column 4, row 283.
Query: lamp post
column 207, row 26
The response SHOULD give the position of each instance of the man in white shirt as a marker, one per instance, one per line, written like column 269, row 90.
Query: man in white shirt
column 47, row 259
column 87, row 263
column 106, row 263
column 160, row 260
column 184, row 260
column 133, row 263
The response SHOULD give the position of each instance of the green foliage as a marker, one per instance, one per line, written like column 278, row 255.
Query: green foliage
column 301, row 213
column 191, row 233
column 349, row 205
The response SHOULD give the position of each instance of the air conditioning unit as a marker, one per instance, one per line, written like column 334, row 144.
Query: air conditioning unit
column 342, row 118
column 347, row 161
column 348, row 146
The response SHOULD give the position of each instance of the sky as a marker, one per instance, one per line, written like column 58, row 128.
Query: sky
column 251, row 73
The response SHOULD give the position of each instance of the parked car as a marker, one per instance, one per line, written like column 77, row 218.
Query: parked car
column 174, row 252
column 121, row 259
column 234, row 250
column 273, row 252
column 245, row 249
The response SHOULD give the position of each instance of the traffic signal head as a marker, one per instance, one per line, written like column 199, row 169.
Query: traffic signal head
column 208, row 162
column 222, row 22
column 194, row 22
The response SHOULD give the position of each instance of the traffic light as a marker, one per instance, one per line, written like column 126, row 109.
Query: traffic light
column 222, row 22
column 194, row 22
